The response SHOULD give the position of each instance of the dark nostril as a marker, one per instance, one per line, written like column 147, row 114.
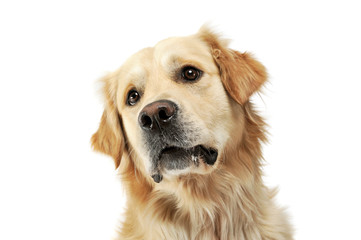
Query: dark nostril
column 146, row 121
column 163, row 115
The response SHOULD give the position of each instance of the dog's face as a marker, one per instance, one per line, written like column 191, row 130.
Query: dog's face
column 175, row 106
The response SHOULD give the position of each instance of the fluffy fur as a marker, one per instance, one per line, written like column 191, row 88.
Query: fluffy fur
column 224, row 201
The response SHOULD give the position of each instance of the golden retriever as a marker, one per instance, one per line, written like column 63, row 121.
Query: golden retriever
column 180, row 126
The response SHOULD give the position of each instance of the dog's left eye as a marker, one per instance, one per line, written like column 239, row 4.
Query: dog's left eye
column 191, row 73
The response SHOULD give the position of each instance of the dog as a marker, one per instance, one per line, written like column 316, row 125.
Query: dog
column 186, row 139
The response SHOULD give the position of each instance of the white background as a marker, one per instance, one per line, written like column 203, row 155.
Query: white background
column 52, row 186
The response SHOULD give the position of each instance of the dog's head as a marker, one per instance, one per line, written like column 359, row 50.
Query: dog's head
column 174, row 107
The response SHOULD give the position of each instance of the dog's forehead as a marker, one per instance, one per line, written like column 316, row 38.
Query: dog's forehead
column 181, row 48
column 165, row 51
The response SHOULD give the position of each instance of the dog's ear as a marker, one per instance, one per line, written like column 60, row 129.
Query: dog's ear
column 109, row 137
column 241, row 74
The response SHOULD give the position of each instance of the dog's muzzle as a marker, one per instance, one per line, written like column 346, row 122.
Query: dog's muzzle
column 167, row 141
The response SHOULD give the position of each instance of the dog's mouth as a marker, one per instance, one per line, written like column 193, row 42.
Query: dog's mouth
column 178, row 158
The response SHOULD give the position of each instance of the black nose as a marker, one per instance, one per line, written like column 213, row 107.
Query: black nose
column 157, row 114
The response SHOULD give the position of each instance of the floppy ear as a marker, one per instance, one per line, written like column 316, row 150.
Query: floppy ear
column 241, row 74
column 109, row 137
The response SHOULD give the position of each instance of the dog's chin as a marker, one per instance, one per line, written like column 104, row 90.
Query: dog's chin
column 177, row 160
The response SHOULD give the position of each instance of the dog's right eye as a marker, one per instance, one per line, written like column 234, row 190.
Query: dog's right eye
column 133, row 97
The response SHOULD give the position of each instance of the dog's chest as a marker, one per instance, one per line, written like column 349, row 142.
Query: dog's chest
column 206, row 228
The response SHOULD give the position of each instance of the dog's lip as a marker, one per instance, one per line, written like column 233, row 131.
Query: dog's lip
column 208, row 154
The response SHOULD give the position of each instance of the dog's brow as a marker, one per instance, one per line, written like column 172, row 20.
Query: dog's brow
column 136, row 72
column 136, row 75
column 177, row 62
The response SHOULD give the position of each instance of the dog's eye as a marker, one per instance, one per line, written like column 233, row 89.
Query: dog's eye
column 133, row 97
column 191, row 73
